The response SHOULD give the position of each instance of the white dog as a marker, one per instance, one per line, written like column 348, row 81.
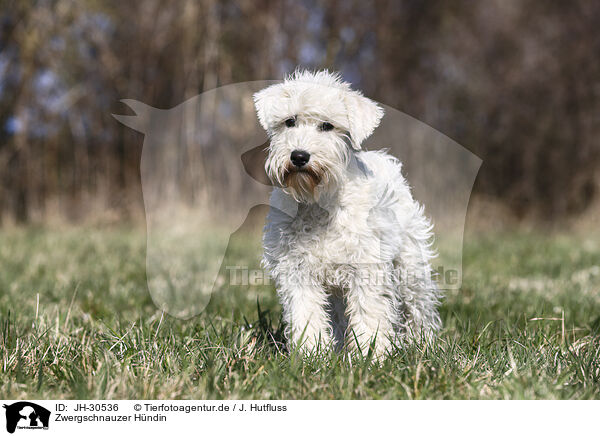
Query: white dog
column 347, row 245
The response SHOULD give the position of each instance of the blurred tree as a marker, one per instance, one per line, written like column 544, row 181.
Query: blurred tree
column 517, row 82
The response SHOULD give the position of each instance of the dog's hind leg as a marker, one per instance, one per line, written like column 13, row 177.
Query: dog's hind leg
column 339, row 321
column 371, row 312
column 418, row 293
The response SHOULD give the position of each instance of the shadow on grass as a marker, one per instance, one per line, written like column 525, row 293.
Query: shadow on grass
column 267, row 335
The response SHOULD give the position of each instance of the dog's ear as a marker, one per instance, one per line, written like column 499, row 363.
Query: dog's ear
column 364, row 116
column 265, row 102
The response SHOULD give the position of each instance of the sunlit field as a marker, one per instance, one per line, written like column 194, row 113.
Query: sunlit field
column 77, row 321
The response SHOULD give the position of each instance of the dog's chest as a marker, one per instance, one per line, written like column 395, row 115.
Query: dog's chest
column 328, row 238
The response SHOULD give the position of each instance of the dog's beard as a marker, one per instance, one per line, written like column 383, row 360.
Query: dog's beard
column 315, row 181
column 304, row 184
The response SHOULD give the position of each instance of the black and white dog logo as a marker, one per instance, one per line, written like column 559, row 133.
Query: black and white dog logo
column 26, row 415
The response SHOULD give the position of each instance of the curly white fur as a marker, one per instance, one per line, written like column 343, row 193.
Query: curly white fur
column 347, row 245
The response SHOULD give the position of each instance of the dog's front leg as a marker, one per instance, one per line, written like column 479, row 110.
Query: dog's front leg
column 305, row 315
column 370, row 308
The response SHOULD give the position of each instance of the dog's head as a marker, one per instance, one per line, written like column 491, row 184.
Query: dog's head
column 314, row 121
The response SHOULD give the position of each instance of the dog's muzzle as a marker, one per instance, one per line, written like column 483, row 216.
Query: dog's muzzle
column 300, row 158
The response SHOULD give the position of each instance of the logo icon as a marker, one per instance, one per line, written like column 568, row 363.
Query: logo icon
column 203, row 173
column 26, row 415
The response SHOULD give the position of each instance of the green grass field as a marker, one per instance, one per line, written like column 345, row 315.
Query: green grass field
column 76, row 321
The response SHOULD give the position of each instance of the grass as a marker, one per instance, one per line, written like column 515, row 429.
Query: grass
column 76, row 321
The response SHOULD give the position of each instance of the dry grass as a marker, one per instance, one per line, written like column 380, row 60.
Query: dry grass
column 76, row 321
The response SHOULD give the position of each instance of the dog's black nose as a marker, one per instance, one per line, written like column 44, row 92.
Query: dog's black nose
column 300, row 158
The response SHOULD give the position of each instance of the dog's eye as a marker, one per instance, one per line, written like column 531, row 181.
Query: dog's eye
column 290, row 122
column 326, row 127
